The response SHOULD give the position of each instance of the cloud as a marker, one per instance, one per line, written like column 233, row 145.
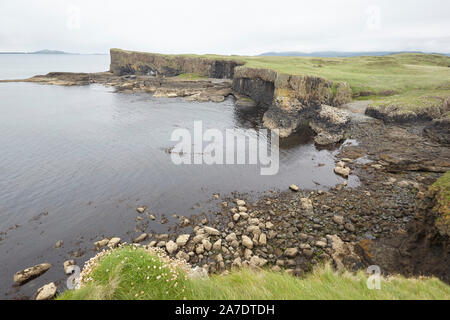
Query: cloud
column 224, row 27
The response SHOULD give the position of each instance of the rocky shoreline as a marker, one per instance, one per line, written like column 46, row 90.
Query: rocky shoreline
column 381, row 222
column 386, row 221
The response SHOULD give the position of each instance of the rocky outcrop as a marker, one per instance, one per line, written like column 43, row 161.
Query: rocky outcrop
column 291, row 100
column 398, row 114
column 439, row 131
column 329, row 124
column 141, row 63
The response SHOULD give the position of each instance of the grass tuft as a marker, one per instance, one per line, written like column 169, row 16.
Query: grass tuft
column 134, row 273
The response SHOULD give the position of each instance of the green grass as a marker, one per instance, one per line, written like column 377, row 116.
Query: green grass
column 129, row 274
column 442, row 209
column 191, row 76
column 412, row 78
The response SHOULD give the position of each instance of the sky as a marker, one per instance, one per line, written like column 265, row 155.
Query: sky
column 243, row 27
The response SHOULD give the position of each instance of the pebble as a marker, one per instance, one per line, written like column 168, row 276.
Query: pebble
column 294, row 188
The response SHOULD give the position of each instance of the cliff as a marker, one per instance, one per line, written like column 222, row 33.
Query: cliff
column 141, row 63
column 292, row 100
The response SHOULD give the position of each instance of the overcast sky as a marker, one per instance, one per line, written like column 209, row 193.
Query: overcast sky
column 243, row 27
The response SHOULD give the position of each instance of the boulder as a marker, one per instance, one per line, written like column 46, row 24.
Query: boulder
column 29, row 274
column 247, row 242
column 291, row 252
column 114, row 242
column 46, row 292
column 211, row 231
column 182, row 240
column 171, row 247
column 141, row 238
column 67, row 266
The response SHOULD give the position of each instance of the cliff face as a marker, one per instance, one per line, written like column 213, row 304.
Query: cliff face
column 292, row 100
column 140, row 63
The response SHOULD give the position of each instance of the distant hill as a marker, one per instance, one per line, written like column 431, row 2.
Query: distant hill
column 338, row 54
column 46, row 51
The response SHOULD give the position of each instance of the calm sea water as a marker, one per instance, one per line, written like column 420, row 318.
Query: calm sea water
column 75, row 162
column 21, row 66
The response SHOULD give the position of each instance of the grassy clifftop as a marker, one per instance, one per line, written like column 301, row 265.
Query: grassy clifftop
column 131, row 273
column 409, row 81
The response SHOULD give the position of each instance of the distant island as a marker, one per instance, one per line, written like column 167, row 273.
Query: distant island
column 47, row 51
column 339, row 54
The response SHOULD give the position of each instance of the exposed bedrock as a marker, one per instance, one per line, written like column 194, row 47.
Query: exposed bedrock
column 141, row 63
column 294, row 101
column 439, row 131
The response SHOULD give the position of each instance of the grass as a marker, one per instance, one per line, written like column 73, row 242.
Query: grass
column 191, row 76
column 129, row 274
column 442, row 208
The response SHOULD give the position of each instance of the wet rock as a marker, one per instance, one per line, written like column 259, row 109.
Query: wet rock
column 141, row 209
column 141, row 238
column 46, row 292
column 67, row 266
column 183, row 239
column 29, row 274
column 342, row 170
column 101, row 244
column 114, row 242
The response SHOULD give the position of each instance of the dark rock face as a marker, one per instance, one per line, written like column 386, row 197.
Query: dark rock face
column 292, row 100
column 259, row 90
column 140, row 63
column 439, row 131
